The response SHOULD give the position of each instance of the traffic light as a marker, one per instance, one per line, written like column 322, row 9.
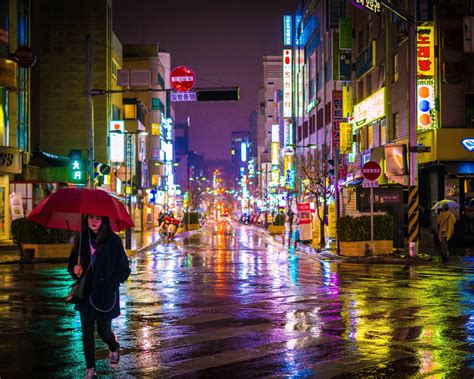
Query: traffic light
column 218, row 94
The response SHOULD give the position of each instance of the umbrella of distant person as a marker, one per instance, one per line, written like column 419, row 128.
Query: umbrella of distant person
column 64, row 209
column 450, row 203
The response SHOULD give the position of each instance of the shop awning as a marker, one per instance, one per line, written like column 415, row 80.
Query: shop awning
column 42, row 159
column 464, row 169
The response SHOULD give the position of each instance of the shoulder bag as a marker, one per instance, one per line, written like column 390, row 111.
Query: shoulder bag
column 77, row 288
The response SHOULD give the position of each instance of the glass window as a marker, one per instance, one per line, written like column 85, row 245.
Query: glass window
column 130, row 111
column 370, row 136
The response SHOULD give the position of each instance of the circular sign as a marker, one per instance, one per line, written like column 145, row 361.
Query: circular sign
column 182, row 78
column 371, row 170
column 25, row 57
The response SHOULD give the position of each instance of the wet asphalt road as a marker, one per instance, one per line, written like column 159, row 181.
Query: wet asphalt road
column 229, row 302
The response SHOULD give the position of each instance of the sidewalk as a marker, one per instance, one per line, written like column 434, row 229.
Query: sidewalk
column 425, row 255
column 141, row 241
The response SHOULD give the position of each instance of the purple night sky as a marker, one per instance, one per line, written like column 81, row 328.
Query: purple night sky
column 223, row 41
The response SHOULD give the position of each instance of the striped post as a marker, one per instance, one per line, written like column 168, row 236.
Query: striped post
column 413, row 225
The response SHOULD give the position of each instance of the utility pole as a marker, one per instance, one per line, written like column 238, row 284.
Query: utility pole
column 90, row 115
column 413, row 217
column 413, row 225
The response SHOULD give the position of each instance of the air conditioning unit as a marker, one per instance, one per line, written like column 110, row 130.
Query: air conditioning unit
column 140, row 78
column 123, row 78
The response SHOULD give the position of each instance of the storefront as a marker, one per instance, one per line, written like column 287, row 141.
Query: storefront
column 447, row 172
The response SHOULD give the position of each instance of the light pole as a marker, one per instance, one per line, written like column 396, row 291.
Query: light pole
column 413, row 226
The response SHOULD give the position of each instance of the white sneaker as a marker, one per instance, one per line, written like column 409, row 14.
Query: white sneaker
column 114, row 357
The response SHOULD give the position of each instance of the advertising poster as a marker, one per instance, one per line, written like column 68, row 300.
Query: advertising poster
column 304, row 221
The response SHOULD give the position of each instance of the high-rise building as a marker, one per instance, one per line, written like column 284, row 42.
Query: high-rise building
column 60, row 104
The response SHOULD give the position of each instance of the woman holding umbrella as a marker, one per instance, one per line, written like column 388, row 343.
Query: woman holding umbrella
column 99, row 254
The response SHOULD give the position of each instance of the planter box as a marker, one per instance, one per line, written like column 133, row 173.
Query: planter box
column 358, row 249
column 42, row 251
column 353, row 249
column 276, row 229
column 384, row 247
column 191, row 226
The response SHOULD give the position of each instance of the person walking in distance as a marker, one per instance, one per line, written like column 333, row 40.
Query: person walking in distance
column 446, row 221
column 99, row 254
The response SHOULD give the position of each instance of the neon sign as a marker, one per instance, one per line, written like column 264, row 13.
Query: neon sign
column 287, row 80
column 468, row 144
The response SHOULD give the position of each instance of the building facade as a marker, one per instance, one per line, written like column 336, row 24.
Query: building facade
column 350, row 96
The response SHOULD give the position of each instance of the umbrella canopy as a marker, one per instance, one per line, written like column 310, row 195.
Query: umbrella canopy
column 439, row 204
column 64, row 208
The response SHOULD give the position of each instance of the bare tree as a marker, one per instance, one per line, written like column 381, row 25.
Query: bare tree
column 313, row 173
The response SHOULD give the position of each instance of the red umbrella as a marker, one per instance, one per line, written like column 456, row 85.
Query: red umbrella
column 63, row 209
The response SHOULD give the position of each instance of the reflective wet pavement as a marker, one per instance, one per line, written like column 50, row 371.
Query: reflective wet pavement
column 229, row 301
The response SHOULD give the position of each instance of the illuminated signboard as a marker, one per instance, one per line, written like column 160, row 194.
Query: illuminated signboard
column 371, row 5
column 288, row 132
column 275, row 133
column 427, row 115
column 243, row 151
column 468, row 144
column 251, row 168
column 275, row 178
column 346, row 101
column 370, row 109
column 117, row 141
column 287, row 80
column 425, row 50
column 346, row 137
column 336, row 117
column 274, row 152
column 287, row 30
column 167, row 129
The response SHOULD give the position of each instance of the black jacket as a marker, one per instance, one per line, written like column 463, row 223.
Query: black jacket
column 103, row 278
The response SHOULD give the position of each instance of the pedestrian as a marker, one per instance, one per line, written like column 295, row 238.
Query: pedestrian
column 446, row 221
column 102, row 249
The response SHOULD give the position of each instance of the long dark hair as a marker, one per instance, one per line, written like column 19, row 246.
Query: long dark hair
column 104, row 232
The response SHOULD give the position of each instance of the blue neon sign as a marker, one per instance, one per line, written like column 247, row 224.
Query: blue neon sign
column 468, row 144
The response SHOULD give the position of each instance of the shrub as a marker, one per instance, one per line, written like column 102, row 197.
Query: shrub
column 279, row 219
column 26, row 231
column 353, row 229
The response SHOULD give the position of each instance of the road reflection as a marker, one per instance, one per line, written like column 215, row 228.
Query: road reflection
column 229, row 288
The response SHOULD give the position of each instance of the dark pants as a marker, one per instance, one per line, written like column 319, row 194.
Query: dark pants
column 444, row 248
column 88, row 339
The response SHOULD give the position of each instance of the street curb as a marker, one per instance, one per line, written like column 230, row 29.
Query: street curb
column 328, row 256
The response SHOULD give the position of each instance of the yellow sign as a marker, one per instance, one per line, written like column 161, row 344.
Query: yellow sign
column 370, row 109
column 8, row 74
column 425, row 53
column 275, row 153
column 332, row 221
column 155, row 129
column 345, row 130
column 347, row 102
